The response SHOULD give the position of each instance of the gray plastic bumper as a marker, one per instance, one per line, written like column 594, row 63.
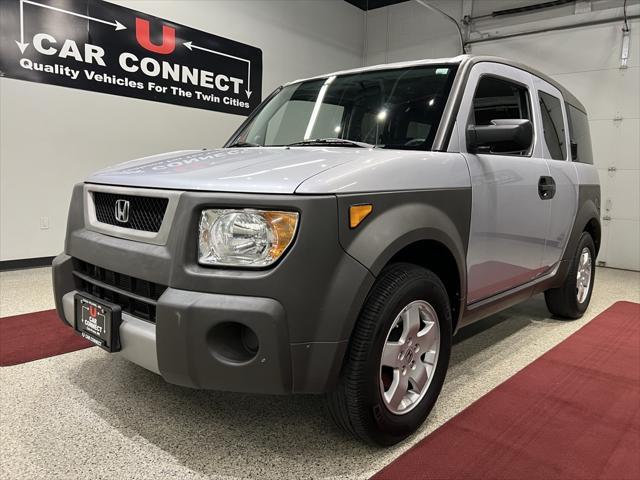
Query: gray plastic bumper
column 188, row 346
column 182, row 348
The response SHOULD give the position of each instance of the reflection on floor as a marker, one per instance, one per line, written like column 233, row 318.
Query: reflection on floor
column 87, row 414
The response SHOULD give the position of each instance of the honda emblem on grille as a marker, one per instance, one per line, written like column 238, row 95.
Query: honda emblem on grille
column 122, row 210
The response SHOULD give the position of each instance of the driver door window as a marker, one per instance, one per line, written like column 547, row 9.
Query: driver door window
column 499, row 99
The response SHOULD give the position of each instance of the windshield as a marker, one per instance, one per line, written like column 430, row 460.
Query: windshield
column 399, row 109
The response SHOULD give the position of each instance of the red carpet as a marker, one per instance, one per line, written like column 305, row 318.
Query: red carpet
column 33, row 336
column 572, row 414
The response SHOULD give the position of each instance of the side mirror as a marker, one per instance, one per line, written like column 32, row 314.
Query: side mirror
column 500, row 136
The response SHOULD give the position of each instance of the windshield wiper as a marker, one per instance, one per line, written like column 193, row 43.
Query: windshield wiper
column 243, row 144
column 331, row 141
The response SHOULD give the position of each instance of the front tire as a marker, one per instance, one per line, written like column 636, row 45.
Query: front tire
column 398, row 357
column 572, row 298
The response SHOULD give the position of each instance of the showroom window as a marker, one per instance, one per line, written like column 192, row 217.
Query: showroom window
column 553, row 125
column 500, row 99
column 579, row 135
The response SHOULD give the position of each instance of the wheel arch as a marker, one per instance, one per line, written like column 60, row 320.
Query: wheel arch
column 587, row 219
column 434, row 255
column 432, row 233
column 431, row 249
column 594, row 229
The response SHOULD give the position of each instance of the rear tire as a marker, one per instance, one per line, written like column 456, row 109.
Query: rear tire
column 403, row 295
column 572, row 298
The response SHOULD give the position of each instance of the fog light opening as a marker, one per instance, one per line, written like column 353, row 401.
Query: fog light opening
column 249, row 340
column 233, row 342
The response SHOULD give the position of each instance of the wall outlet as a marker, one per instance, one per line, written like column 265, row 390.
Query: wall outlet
column 44, row 223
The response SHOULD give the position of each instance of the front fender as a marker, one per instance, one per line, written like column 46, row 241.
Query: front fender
column 399, row 219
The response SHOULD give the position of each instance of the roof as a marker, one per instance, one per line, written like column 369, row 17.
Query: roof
column 462, row 60
column 388, row 66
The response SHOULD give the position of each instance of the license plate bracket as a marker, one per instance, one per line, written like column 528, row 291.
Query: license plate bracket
column 98, row 321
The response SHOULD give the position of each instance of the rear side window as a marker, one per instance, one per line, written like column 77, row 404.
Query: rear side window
column 553, row 125
column 579, row 135
column 498, row 99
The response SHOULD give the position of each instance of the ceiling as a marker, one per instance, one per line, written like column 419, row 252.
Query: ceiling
column 372, row 4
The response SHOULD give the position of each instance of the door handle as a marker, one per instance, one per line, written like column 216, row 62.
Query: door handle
column 546, row 188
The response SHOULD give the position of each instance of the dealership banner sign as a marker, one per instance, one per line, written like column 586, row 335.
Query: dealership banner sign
column 98, row 46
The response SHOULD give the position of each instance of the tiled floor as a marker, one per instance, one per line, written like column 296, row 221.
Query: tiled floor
column 89, row 415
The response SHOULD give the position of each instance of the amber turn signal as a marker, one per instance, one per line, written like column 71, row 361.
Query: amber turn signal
column 283, row 225
column 357, row 213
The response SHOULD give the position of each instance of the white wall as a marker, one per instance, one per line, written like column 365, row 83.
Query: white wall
column 585, row 60
column 52, row 137
column 409, row 31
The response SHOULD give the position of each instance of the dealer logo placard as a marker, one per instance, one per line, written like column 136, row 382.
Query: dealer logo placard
column 98, row 46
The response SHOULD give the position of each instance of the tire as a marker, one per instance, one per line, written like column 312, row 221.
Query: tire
column 567, row 301
column 358, row 405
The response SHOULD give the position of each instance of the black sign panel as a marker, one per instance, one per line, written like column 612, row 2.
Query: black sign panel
column 102, row 47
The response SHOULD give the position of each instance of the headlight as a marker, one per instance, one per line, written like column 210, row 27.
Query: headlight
column 255, row 238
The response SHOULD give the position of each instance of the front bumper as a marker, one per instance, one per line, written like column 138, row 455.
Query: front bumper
column 302, row 311
column 183, row 348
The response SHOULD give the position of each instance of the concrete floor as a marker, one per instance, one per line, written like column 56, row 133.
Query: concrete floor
column 89, row 415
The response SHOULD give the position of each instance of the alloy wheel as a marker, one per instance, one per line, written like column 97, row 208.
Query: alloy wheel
column 409, row 357
column 583, row 282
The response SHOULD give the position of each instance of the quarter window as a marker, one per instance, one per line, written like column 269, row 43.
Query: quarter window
column 553, row 125
column 499, row 99
column 579, row 135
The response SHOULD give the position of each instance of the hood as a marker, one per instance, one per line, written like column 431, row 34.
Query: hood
column 255, row 170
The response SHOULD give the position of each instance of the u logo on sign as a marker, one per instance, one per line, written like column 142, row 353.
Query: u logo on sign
column 143, row 37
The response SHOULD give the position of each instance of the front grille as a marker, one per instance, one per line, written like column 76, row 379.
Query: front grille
column 135, row 296
column 144, row 213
